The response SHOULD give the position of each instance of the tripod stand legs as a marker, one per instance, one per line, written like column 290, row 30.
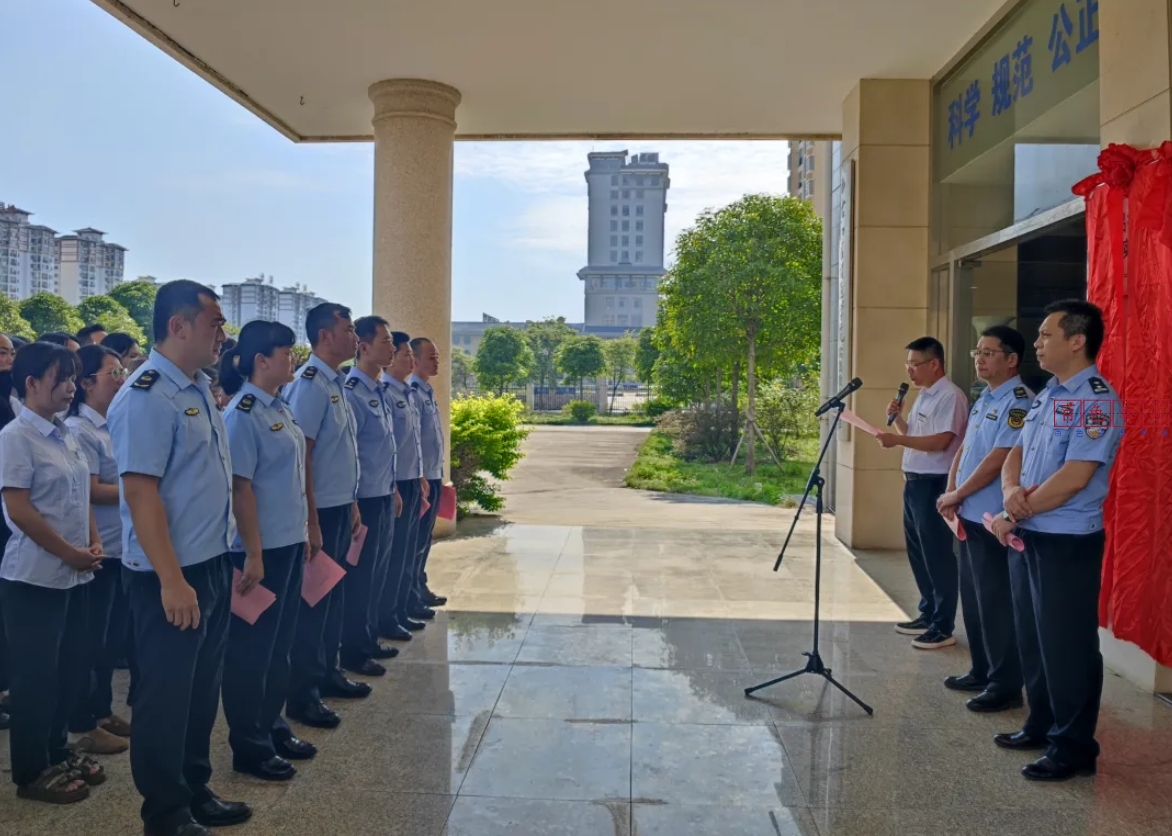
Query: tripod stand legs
column 815, row 666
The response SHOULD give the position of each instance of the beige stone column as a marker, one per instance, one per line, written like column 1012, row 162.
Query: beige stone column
column 1135, row 107
column 414, row 135
column 886, row 134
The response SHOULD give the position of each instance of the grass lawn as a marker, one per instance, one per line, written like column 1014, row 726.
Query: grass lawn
column 658, row 469
column 557, row 419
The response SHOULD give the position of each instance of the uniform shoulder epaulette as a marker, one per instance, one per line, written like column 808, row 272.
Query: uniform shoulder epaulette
column 310, row 372
column 351, row 382
column 246, row 403
column 1021, row 393
column 415, row 385
column 1098, row 386
column 146, row 380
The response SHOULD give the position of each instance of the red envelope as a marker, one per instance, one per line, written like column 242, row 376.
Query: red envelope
column 447, row 509
column 321, row 575
column 423, row 506
column 1015, row 542
column 249, row 607
column 356, row 546
column 957, row 528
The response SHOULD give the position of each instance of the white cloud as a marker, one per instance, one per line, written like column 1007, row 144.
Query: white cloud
column 556, row 224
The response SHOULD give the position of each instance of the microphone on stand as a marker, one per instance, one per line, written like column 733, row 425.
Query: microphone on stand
column 850, row 388
column 899, row 396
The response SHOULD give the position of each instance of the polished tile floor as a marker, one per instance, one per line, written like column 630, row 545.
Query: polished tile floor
column 588, row 681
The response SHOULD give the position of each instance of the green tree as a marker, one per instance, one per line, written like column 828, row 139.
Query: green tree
column 300, row 354
column 503, row 358
column 646, row 353
column 581, row 357
column 461, row 369
column 12, row 323
column 620, row 361
column 47, row 312
column 486, row 439
column 747, row 284
column 105, row 311
column 139, row 299
column 544, row 338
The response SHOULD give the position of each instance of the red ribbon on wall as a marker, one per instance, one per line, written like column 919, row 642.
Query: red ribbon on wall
column 1129, row 276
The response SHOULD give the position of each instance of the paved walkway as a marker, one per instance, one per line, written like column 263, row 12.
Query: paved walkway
column 587, row 681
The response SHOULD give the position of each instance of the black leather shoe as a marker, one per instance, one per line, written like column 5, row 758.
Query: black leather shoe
column 189, row 829
column 424, row 614
column 316, row 714
column 395, row 633
column 1045, row 769
column 990, row 702
column 384, row 652
column 1019, row 742
column 294, row 749
column 433, row 600
column 968, row 682
column 367, row 667
column 413, row 626
column 275, row 768
column 337, row 685
column 213, row 811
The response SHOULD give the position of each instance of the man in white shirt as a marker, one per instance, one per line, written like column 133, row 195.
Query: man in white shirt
column 930, row 437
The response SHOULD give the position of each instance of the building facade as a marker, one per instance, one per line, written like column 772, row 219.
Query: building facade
column 806, row 159
column 28, row 255
column 627, row 206
column 259, row 298
column 89, row 265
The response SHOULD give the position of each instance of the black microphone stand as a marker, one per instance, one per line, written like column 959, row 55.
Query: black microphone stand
column 814, row 663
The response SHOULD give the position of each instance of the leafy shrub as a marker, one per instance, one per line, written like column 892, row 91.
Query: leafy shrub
column 486, row 441
column 701, row 433
column 785, row 415
column 580, row 411
column 655, row 407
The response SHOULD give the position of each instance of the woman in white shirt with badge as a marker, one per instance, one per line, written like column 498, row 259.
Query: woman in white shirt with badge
column 102, row 731
column 53, row 551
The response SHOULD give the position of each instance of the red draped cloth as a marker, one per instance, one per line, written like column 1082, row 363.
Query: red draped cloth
column 1129, row 275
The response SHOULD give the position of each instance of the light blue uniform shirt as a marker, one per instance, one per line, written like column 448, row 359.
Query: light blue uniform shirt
column 995, row 422
column 91, row 430
column 376, row 434
column 165, row 425
column 319, row 405
column 405, row 410
column 431, row 433
column 1080, row 420
column 268, row 449
column 45, row 458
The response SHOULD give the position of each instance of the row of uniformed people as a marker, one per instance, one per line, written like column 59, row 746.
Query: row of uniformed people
column 180, row 487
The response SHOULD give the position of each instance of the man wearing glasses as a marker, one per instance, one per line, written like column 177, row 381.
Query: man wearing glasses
column 974, row 491
column 930, row 437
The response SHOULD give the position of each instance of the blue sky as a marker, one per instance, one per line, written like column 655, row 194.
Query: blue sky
column 101, row 129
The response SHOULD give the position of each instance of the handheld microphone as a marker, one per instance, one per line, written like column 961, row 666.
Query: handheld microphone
column 899, row 396
column 851, row 387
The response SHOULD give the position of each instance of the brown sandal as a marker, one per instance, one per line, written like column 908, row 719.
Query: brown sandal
column 87, row 769
column 56, row 785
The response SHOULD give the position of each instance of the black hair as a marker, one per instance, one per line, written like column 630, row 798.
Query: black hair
column 418, row 342
column 1080, row 317
column 120, row 342
column 178, row 298
column 90, row 359
column 401, row 338
column 37, row 359
column 366, row 327
column 17, row 342
column 57, row 338
column 321, row 318
column 929, row 346
column 227, row 345
column 1012, row 342
column 257, row 337
column 83, row 336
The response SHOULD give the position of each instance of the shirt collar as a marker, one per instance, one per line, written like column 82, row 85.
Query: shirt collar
column 175, row 373
column 1007, row 386
column 92, row 415
column 938, row 386
column 250, row 388
column 45, row 428
column 324, row 367
column 1077, row 380
column 398, row 386
column 419, row 382
column 372, row 385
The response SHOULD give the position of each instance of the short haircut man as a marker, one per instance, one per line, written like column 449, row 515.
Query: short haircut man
column 1012, row 342
column 366, row 327
column 322, row 318
column 88, row 334
column 1080, row 318
column 59, row 338
column 930, row 347
column 181, row 297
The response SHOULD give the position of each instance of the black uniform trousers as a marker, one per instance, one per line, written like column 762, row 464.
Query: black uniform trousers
column 930, row 550
column 396, row 591
column 1055, row 585
column 256, row 663
column 435, row 490
column 46, row 631
column 359, row 638
column 97, row 700
column 987, row 607
column 5, row 534
column 177, row 693
column 319, row 628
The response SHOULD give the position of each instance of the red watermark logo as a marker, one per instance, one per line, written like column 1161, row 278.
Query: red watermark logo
column 1095, row 415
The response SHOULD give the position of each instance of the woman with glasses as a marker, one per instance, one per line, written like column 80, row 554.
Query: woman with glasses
column 102, row 731
column 52, row 554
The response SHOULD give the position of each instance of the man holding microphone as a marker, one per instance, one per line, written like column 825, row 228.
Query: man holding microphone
column 930, row 437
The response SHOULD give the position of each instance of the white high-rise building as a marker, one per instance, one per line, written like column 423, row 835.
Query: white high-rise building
column 628, row 201
column 294, row 303
column 90, row 265
column 28, row 255
column 258, row 298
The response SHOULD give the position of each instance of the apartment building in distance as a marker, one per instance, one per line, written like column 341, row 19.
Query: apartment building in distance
column 34, row 259
column 627, row 205
column 260, row 298
column 88, row 265
column 806, row 158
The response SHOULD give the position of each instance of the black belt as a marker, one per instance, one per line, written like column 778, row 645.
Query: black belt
column 914, row 477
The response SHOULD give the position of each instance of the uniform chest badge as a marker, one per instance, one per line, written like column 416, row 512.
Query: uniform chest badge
column 335, row 398
column 992, row 416
column 401, row 404
column 191, row 412
column 277, row 427
column 1016, row 418
column 373, row 402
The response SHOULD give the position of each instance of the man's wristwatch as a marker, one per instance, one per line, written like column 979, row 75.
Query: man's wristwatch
column 1005, row 516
